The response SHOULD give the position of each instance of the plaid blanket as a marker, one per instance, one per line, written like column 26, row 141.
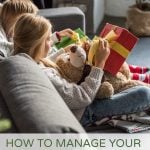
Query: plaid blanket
column 130, row 123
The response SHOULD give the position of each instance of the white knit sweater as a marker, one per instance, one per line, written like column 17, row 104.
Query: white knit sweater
column 77, row 97
column 6, row 47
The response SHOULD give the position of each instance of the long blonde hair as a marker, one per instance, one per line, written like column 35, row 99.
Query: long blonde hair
column 11, row 9
column 30, row 33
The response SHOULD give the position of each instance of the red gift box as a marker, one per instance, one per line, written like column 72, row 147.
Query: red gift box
column 120, row 48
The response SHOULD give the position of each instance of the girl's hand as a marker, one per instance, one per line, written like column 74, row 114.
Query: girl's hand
column 86, row 46
column 102, row 54
column 66, row 32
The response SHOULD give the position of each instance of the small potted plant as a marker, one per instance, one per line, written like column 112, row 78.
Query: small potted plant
column 138, row 18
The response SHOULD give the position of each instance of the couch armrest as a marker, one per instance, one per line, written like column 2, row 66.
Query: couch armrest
column 32, row 100
column 61, row 18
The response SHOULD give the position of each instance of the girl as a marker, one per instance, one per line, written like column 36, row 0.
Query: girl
column 11, row 11
column 36, row 41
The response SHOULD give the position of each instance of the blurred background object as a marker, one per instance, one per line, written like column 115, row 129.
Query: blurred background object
column 43, row 3
column 93, row 10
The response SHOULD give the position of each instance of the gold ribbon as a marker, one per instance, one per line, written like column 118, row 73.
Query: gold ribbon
column 76, row 38
column 114, row 45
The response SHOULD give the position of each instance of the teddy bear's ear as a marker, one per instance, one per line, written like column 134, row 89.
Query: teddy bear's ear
column 73, row 49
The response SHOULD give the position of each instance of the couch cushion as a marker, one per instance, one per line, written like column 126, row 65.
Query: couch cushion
column 31, row 98
column 64, row 17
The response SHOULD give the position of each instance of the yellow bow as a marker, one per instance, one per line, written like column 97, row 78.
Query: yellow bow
column 114, row 45
column 76, row 38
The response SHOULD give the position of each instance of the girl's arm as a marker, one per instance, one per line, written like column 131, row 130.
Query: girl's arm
column 56, row 36
column 54, row 55
column 76, row 96
column 6, row 48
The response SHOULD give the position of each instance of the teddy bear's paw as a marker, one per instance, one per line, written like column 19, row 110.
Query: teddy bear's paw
column 106, row 90
column 124, row 69
column 133, row 83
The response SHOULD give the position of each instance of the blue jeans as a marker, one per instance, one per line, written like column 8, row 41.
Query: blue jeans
column 132, row 100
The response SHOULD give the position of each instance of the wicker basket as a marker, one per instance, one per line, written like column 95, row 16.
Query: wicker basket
column 138, row 21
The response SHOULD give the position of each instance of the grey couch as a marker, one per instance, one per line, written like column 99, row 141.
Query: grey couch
column 27, row 97
column 31, row 102
column 68, row 17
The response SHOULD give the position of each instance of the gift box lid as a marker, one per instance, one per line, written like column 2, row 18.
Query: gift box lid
column 120, row 50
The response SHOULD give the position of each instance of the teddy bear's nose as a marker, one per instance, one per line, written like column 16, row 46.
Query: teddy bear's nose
column 73, row 49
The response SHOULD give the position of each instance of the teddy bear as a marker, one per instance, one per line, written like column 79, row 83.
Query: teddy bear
column 75, row 69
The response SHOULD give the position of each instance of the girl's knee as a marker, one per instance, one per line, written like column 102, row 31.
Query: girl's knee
column 144, row 91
